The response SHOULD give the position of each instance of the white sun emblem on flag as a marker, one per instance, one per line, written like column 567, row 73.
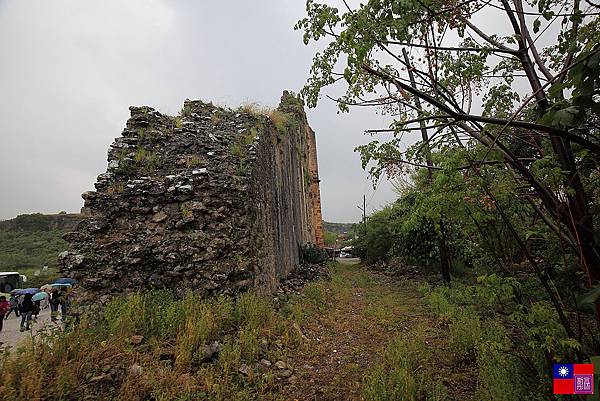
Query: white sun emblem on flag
column 563, row 371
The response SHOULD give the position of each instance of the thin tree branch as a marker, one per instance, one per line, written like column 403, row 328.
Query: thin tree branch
column 487, row 38
column 534, row 52
column 484, row 119
column 446, row 48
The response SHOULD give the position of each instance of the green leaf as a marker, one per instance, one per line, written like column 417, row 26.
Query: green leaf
column 566, row 117
column 536, row 25
column 556, row 89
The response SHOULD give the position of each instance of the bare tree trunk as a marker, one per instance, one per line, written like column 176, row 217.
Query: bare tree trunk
column 442, row 244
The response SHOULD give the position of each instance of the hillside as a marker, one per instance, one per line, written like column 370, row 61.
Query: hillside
column 338, row 228
column 31, row 241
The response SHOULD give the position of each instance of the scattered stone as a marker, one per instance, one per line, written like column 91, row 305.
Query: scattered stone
column 135, row 370
column 244, row 369
column 264, row 346
column 160, row 217
column 264, row 365
column 166, row 356
column 281, row 365
column 211, row 351
column 137, row 339
column 100, row 378
column 284, row 374
column 304, row 274
column 296, row 327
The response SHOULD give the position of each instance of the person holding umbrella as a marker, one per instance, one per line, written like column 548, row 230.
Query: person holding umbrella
column 37, row 303
column 60, row 296
column 63, row 302
column 26, row 310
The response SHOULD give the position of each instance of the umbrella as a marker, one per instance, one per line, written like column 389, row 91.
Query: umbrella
column 5, row 295
column 46, row 287
column 60, row 285
column 39, row 296
column 23, row 291
column 65, row 280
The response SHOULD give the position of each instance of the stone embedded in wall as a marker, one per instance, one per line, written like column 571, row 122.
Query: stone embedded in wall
column 215, row 200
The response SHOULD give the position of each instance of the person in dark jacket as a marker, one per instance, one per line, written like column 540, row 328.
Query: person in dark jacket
column 14, row 306
column 37, row 308
column 54, row 303
column 26, row 310
column 64, row 303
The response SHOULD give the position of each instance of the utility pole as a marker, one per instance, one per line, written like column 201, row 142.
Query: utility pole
column 364, row 210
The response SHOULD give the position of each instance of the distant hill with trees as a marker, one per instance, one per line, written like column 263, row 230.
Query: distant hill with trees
column 30, row 241
column 338, row 228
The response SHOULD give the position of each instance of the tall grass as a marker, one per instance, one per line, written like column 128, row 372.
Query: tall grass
column 398, row 378
column 94, row 359
column 465, row 334
column 484, row 342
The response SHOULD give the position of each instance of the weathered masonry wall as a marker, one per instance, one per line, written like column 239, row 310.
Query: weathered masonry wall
column 213, row 200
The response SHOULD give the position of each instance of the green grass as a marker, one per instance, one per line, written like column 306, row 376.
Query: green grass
column 416, row 348
column 503, row 368
column 399, row 377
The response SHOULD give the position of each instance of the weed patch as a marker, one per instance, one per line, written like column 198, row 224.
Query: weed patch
column 398, row 377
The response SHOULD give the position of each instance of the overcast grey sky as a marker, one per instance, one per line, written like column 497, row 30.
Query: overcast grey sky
column 71, row 68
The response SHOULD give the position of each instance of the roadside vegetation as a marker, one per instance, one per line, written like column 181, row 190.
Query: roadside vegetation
column 359, row 334
column 498, row 191
column 151, row 346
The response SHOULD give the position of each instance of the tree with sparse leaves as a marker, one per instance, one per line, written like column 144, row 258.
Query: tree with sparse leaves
column 496, row 89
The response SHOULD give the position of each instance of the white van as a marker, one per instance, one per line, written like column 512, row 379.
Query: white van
column 11, row 280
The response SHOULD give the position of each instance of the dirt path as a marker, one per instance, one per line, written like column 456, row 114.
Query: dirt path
column 361, row 314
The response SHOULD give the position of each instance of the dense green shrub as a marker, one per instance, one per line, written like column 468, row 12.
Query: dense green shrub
column 312, row 254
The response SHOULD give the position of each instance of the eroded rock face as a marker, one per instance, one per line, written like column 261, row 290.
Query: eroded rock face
column 213, row 200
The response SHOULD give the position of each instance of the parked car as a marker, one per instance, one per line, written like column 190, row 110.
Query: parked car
column 11, row 280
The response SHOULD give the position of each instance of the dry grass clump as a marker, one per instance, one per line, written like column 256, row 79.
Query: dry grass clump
column 256, row 109
column 116, row 188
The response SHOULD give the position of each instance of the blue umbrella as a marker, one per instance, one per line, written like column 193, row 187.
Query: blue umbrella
column 65, row 280
column 60, row 285
column 39, row 296
column 23, row 291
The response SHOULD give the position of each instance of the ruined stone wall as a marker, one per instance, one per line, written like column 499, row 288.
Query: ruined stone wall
column 314, row 190
column 215, row 200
